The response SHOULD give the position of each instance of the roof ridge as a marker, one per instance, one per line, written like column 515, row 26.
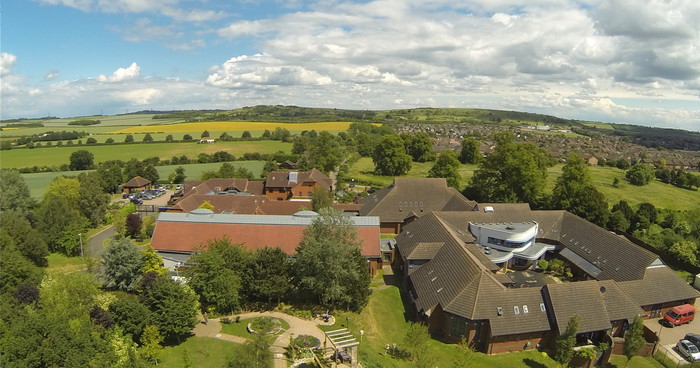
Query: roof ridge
column 388, row 192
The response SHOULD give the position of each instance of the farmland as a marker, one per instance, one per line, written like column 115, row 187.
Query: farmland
column 39, row 182
column 233, row 126
column 56, row 156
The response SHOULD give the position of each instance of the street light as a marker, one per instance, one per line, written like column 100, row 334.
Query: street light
column 347, row 319
column 80, row 236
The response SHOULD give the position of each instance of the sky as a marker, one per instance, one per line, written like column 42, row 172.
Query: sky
column 622, row 61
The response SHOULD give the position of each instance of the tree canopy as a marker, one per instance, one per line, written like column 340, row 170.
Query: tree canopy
column 390, row 156
column 575, row 192
column 81, row 160
column 122, row 262
column 447, row 166
column 329, row 264
column 470, row 153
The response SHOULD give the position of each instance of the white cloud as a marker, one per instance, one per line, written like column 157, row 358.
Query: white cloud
column 142, row 96
column 170, row 8
column 7, row 62
column 259, row 70
column 121, row 74
column 51, row 75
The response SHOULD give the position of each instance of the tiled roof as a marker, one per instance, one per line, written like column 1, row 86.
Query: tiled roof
column 617, row 303
column 425, row 250
column 281, row 179
column 137, row 182
column 581, row 298
column 184, row 232
column 239, row 204
column 417, row 195
column 659, row 285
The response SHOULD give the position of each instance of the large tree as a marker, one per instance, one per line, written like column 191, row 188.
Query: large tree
column 81, row 160
column 513, row 172
column 419, row 146
column 215, row 274
column 447, row 166
column 325, row 153
column 110, row 174
column 15, row 193
column 92, row 201
column 121, row 265
column 329, row 264
column 60, row 223
column 28, row 240
column 269, row 274
column 15, row 269
column 575, row 192
column 470, row 153
column 640, row 174
column 390, row 156
column 173, row 307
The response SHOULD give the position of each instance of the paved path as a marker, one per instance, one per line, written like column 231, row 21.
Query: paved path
column 96, row 243
column 297, row 326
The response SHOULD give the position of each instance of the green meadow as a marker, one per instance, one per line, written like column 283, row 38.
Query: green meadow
column 660, row 194
column 57, row 156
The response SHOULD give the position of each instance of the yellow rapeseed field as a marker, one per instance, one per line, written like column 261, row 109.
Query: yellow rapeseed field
column 233, row 126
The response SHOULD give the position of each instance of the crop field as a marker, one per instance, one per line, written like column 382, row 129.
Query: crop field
column 56, row 156
column 233, row 126
column 603, row 126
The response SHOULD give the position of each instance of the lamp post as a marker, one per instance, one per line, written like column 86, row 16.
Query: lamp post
column 80, row 237
column 347, row 320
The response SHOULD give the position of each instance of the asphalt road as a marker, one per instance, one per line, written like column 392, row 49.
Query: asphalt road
column 96, row 243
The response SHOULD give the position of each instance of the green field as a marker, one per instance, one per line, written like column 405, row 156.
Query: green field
column 56, row 156
column 39, row 182
column 660, row 194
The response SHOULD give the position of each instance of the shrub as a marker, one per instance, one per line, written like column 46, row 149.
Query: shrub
column 306, row 341
column 543, row 264
column 226, row 320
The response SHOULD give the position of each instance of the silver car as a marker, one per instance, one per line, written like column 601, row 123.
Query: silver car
column 688, row 350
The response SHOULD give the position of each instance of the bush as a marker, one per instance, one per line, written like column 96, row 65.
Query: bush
column 306, row 342
column 543, row 264
column 556, row 266
column 226, row 320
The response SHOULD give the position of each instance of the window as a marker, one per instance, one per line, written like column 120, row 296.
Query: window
column 525, row 310
column 542, row 307
column 458, row 326
column 516, row 310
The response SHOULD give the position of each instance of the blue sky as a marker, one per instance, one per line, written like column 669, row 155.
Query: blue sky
column 631, row 61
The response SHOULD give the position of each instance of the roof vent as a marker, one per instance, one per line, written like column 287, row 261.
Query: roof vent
column 516, row 310
column 602, row 289
column 525, row 310
column 510, row 227
column 439, row 290
column 499, row 311
column 433, row 279
column 488, row 209
column 542, row 308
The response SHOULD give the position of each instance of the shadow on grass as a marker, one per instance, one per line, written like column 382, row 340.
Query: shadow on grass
column 533, row 364
column 409, row 314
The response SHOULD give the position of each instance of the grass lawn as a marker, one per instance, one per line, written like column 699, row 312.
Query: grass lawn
column 620, row 361
column 56, row 156
column 60, row 264
column 39, row 182
column 383, row 321
column 202, row 352
column 240, row 328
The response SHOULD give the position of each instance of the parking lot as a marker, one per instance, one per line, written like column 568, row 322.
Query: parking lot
column 160, row 201
column 670, row 336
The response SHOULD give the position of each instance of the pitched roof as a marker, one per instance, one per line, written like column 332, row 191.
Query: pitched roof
column 617, row 303
column 286, row 179
column 425, row 250
column 184, row 232
column 659, row 285
column 239, row 204
column 581, row 298
column 417, row 196
column 137, row 182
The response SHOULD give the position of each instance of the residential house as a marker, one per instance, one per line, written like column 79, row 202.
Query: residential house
column 183, row 233
column 470, row 274
column 410, row 198
column 136, row 184
column 207, row 140
column 295, row 185
column 590, row 159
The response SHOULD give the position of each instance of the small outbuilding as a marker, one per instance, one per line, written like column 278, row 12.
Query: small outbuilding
column 136, row 184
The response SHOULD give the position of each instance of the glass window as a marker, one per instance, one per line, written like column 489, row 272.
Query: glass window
column 459, row 326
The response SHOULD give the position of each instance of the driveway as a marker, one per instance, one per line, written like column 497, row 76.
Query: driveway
column 96, row 243
column 668, row 337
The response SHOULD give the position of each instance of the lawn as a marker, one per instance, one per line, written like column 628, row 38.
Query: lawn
column 240, row 328
column 383, row 322
column 620, row 361
column 56, row 156
column 60, row 264
column 39, row 182
column 202, row 352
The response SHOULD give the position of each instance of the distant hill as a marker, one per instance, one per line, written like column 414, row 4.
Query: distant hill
column 646, row 136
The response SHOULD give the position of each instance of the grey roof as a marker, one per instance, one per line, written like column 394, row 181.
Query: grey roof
column 617, row 303
column 223, row 218
column 425, row 250
column 659, row 285
column 581, row 298
column 408, row 197
column 580, row 262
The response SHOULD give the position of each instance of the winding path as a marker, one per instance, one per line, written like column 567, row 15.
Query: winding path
column 297, row 326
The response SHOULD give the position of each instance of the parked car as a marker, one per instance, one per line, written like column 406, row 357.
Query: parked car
column 136, row 200
column 126, row 196
column 679, row 315
column 693, row 338
column 688, row 350
column 168, row 186
column 178, row 187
